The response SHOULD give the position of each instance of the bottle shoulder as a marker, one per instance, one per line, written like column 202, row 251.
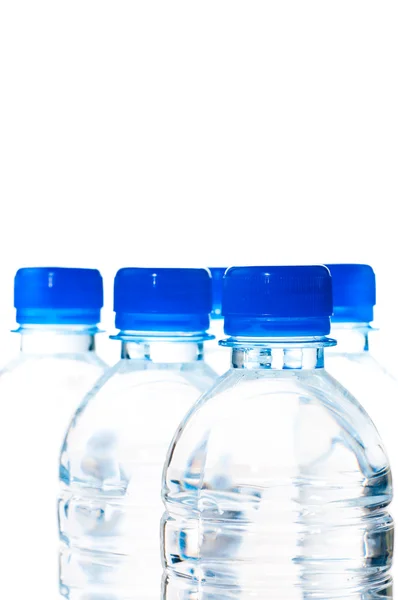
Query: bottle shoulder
column 315, row 384
column 128, row 419
column 361, row 366
column 135, row 404
column 39, row 396
column 373, row 387
column 46, row 371
column 131, row 379
column 287, row 421
column 22, row 358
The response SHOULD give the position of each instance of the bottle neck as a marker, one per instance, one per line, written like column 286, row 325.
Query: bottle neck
column 278, row 354
column 57, row 339
column 352, row 338
column 162, row 351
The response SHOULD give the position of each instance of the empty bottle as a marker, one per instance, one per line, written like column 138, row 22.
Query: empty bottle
column 111, row 465
column 217, row 356
column 276, row 484
column 57, row 311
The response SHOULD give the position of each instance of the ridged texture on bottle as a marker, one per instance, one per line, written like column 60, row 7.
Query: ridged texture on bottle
column 110, row 505
column 277, row 487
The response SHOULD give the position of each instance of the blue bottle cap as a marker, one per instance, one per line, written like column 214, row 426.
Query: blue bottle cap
column 277, row 301
column 58, row 296
column 354, row 293
column 217, row 274
column 162, row 300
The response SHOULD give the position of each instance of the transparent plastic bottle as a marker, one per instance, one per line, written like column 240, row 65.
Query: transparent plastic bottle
column 217, row 356
column 110, row 504
column 57, row 312
column 276, row 484
column 351, row 361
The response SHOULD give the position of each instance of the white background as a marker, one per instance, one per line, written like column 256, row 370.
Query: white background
column 198, row 133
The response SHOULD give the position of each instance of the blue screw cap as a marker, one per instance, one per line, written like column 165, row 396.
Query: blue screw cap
column 277, row 301
column 354, row 293
column 217, row 274
column 58, row 296
column 162, row 299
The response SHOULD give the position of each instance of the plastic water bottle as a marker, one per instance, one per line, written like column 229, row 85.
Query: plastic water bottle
column 351, row 361
column 217, row 356
column 111, row 465
column 276, row 484
column 57, row 312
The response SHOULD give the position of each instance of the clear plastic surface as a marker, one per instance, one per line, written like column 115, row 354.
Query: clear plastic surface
column 39, row 392
column 110, row 504
column 277, row 486
column 218, row 357
column 353, row 365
